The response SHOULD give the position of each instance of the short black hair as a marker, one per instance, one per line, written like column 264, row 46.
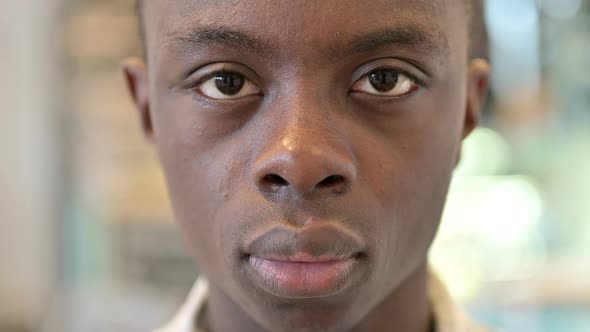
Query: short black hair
column 478, row 40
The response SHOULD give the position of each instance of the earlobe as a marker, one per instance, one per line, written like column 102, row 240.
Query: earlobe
column 136, row 76
column 477, row 91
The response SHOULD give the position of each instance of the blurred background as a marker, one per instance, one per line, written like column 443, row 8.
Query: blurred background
column 87, row 241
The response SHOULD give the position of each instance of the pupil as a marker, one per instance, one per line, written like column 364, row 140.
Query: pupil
column 229, row 83
column 384, row 80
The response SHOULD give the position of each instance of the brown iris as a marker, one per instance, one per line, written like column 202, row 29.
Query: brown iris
column 229, row 83
column 384, row 80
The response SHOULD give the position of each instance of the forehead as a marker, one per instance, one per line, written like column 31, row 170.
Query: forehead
column 205, row 7
column 305, row 22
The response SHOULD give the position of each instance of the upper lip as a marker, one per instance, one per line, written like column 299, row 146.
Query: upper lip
column 310, row 244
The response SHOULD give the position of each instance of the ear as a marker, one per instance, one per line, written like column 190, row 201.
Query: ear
column 136, row 76
column 478, row 77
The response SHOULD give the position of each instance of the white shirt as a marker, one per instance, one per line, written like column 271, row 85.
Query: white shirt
column 448, row 316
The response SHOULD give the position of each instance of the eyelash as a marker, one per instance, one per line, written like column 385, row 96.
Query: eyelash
column 194, row 85
column 400, row 71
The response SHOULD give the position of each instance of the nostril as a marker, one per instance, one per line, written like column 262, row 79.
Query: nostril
column 274, row 180
column 331, row 181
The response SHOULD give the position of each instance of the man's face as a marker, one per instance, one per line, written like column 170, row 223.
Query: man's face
column 307, row 145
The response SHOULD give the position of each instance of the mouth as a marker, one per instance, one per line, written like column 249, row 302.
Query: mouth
column 297, row 279
column 317, row 261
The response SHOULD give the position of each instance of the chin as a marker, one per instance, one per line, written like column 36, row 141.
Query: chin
column 335, row 312
column 302, row 317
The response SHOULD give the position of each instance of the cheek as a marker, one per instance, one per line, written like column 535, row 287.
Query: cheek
column 409, row 170
column 199, row 173
column 191, row 196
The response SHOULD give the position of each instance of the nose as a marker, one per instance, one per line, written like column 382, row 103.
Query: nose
column 304, row 162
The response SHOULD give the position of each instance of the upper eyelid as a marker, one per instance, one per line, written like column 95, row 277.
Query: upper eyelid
column 221, row 67
column 212, row 74
column 207, row 76
column 190, row 88
column 194, row 88
column 233, row 67
column 403, row 66
column 410, row 76
column 399, row 71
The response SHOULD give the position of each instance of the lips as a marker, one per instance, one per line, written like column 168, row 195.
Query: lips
column 315, row 261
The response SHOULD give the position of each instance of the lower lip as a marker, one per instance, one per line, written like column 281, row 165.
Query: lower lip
column 301, row 279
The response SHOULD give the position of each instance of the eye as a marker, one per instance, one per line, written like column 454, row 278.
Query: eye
column 385, row 82
column 227, row 86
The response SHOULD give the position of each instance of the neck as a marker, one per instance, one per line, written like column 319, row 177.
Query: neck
column 406, row 309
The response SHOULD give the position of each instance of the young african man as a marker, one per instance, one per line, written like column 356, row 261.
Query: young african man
column 308, row 148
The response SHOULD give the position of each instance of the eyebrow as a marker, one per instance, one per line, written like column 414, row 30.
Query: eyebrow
column 412, row 36
column 200, row 38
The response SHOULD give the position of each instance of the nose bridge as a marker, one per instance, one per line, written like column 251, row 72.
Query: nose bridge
column 311, row 124
column 310, row 117
column 309, row 152
column 308, row 129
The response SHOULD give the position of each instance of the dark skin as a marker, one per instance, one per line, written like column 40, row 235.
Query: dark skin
column 277, row 130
